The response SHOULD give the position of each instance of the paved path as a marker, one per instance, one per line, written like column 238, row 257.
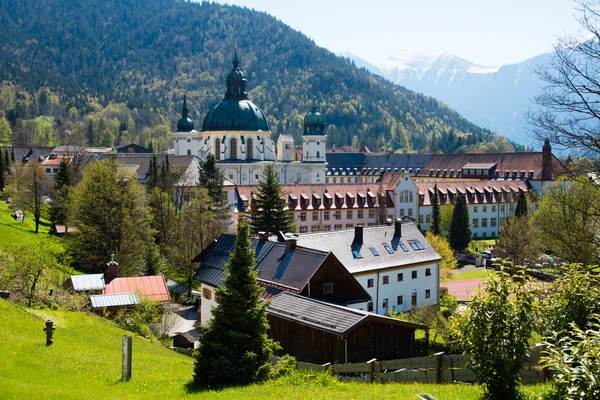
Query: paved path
column 462, row 290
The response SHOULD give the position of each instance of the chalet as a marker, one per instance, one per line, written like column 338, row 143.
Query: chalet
column 281, row 267
column 395, row 264
column 318, row 332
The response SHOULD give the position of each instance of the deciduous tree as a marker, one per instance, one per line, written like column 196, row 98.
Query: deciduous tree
column 441, row 245
column 29, row 189
column 519, row 239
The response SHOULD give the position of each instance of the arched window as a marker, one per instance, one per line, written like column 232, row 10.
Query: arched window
column 406, row 196
column 218, row 149
column 249, row 150
column 299, row 177
column 318, row 154
column 233, row 149
column 189, row 152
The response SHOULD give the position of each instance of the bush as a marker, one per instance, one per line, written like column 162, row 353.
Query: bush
column 136, row 320
column 575, row 358
column 285, row 366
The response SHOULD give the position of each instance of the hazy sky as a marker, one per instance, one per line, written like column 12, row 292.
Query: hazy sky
column 481, row 31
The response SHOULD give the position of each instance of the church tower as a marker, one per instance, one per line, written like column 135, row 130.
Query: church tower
column 185, row 137
column 315, row 137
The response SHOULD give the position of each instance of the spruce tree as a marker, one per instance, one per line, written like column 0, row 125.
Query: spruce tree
column 268, row 209
column 460, row 234
column 436, row 216
column 234, row 347
column 152, row 174
column 212, row 179
column 2, row 168
column 7, row 161
column 521, row 209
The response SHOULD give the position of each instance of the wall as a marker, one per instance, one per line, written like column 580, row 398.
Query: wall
column 206, row 305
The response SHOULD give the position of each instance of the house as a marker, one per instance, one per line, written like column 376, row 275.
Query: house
column 281, row 267
column 395, row 264
column 132, row 148
column 153, row 288
column 318, row 332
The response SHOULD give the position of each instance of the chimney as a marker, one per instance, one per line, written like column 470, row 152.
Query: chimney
column 358, row 234
column 112, row 268
column 262, row 236
column 547, row 161
column 290, row 243
column 398, row 228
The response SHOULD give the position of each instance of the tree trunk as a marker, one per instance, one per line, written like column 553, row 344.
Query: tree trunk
column 190, row 280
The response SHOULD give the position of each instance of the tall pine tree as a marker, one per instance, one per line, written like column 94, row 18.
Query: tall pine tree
column 212, row 179
column 436, row 216
column 234, row 347
column 268, row 209
column 521, row 209
column 460, row 233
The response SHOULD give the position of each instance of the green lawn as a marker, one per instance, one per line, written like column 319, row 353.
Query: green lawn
column 84, row 363
column 461, row 276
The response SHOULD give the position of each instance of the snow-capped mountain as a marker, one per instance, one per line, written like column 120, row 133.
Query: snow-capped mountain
column 494, row 97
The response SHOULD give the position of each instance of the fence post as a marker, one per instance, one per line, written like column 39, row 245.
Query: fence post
column 127, row 355
column 371, row 364
column 438, row 372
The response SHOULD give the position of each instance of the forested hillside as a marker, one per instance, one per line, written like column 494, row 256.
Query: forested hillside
column 109, row 72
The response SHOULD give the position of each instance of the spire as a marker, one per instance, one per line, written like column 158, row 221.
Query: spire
column 235, row 59
column 314, row 106
column 184, row 111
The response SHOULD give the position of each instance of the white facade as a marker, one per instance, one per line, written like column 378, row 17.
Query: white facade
column 207, row 303
column 285, row 148
column 313, row 148
column 186, row 143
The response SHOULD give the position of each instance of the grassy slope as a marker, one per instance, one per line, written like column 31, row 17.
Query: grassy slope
column 20, row 233
column 84, row 363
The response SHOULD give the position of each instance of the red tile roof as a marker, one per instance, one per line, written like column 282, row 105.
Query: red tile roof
column 150, row 287
column 272, row 289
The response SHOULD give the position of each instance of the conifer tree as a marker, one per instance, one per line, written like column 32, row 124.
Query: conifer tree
column 436, row 216
column 63, row 182
column 2, row 168
column 234, row 347
column 460, row 233
column 268, row 209
column 152, row 174
column 521, row 209
column 212, row 179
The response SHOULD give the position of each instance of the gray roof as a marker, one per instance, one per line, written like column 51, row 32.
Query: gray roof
column 140, row 163
column 326, row 316
column 32, row 152
column 345, row 160
column 177, row 287
column 341, row 244
column 113, row 300
column 212, row 267
column 88, row 282
column 399, row 161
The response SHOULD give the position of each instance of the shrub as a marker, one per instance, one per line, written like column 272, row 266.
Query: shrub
column 285, row 366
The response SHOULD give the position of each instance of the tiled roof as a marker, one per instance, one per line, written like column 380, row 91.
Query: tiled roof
column 345, row 160
column 273, row 289
column 113, row 300
column 326, row 316
column 341, row 244
column 87, row 282
column 313, row 197
column 489, row 191
column 32, row 152
column 406, row 161
column 151, row 287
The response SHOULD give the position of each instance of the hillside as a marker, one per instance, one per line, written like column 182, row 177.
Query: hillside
column 84, row 363
column 109, row 70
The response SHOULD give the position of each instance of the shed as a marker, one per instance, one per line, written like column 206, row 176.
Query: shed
column 87, row 282
column 114, row 300
column 317, row 332
column 183, row 340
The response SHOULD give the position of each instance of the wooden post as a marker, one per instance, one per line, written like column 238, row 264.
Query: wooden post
column 49, row 329
column 438, row 375
column 127, row 355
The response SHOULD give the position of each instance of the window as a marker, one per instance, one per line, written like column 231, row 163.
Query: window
column 484, row 222
column 249, row 150
column 303, row 229
column 384, row 305
column 410, row 212
column 233, row 149
column 428, row 272
column 256, row 176
column 385, row 279
column 475, row 223
column 189, row 152
column 337, row 215
column 337, row 227
column 360, row 214
column 400, row 277
column 388, row 248
column 370, row 306
column 369, row 282
column 327, row 228
column 484, row 209
column 400, row 300
column 327, row 288
column 416, row 245
column 231, row 177
column 206, row 293
column 326, row 215
column 402, row 212
column 414, row 274
column 406, row 196
column 315, row 216
column 299, row 176
column 413, row 299
column 315, row 228
column 189, row 140
column 493, row 222
column 218, row 149
column 371, row 213
column 374, row 251
column 302, row 216
column 475, row 209
column 348, row 214
column 427, row 293
column 502, row 208
column 428, row 218
column 403, row 247
column 420, row 218
column 493, row 208
column 318, row 154
column 349, row 226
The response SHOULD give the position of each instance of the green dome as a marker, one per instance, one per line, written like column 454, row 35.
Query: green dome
column 315, row 123
column 235, row 115
column 185, row 123
column 235, row 112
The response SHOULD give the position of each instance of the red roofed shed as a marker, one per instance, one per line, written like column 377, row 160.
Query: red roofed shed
column 150, row 287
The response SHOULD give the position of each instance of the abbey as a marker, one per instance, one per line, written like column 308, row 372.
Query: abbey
column 237, row 132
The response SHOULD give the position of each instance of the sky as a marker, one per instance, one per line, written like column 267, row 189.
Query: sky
column 484, row 32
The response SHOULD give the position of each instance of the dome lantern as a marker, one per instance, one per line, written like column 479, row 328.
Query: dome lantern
column 314, row 122
column 185, row 123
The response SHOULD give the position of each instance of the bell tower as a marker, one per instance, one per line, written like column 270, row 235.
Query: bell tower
column 314, row 139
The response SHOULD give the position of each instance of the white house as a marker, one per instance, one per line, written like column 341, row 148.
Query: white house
column 395, row 264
